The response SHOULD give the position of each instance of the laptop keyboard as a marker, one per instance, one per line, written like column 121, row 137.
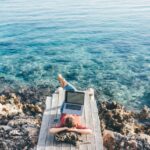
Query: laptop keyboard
column 73, row 107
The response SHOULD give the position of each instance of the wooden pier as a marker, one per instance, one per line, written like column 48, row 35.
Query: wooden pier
column 89, row 118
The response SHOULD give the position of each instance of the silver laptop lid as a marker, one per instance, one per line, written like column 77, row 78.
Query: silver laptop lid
column 74, row 97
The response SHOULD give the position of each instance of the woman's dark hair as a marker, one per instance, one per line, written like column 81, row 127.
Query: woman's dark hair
column 69, row 122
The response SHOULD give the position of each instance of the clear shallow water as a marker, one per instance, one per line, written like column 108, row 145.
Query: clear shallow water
column 100, row 44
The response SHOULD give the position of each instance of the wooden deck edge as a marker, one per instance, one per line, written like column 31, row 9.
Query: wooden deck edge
column 48, row 101
column 47, row 109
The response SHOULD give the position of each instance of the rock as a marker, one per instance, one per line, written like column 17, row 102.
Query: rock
column 38, row 109
column 128, row 128
column 113, row 140
column 133, row 144
column 15, row 133
column 108, row 139
column 13, row 95
column 144, row 137
column 10, row 105
column 3, row 145
column 6, row 127
column 3, row 99
column 32, row 109
column 145, row 113
column 143, row 141
column 24, row 121
column 3, row 120
column 33, row 134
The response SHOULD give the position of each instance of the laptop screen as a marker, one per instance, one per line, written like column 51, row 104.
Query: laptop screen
column 75, row 97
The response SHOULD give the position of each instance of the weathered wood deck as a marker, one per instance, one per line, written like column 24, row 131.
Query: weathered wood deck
column 89, row 118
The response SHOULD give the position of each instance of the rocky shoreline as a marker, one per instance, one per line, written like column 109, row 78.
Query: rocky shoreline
column 122, row 129
column 21, row 115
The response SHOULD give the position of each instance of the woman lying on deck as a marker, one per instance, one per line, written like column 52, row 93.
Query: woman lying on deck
column 69, row 122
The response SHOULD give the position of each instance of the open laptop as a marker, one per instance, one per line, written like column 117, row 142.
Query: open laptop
column 74, row 102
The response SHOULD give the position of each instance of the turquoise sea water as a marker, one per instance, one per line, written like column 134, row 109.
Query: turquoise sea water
column 103, row 44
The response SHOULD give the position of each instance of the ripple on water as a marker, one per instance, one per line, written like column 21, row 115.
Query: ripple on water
column 99, row 44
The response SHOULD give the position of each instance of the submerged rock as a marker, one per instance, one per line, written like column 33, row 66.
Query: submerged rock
column 145, row 113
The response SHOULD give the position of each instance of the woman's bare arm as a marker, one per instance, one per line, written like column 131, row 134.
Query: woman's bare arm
column 81, row 131
column 56, row 130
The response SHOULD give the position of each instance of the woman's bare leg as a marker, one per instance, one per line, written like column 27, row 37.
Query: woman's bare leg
column 65, row 85
column 62, row 81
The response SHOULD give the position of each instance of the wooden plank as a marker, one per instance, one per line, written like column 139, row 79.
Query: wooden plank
column 50, row 137
column 89, row 122
column 65, row 146
column 72, row 147
column 48, row 102
column 60, row 101
column 55, row 123
column 84, row 137
column 44, row 125
column 60, row 90
column 96, row 123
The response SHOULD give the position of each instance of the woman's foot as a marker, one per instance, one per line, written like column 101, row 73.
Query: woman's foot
column 91, row 91
column 62, row 81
